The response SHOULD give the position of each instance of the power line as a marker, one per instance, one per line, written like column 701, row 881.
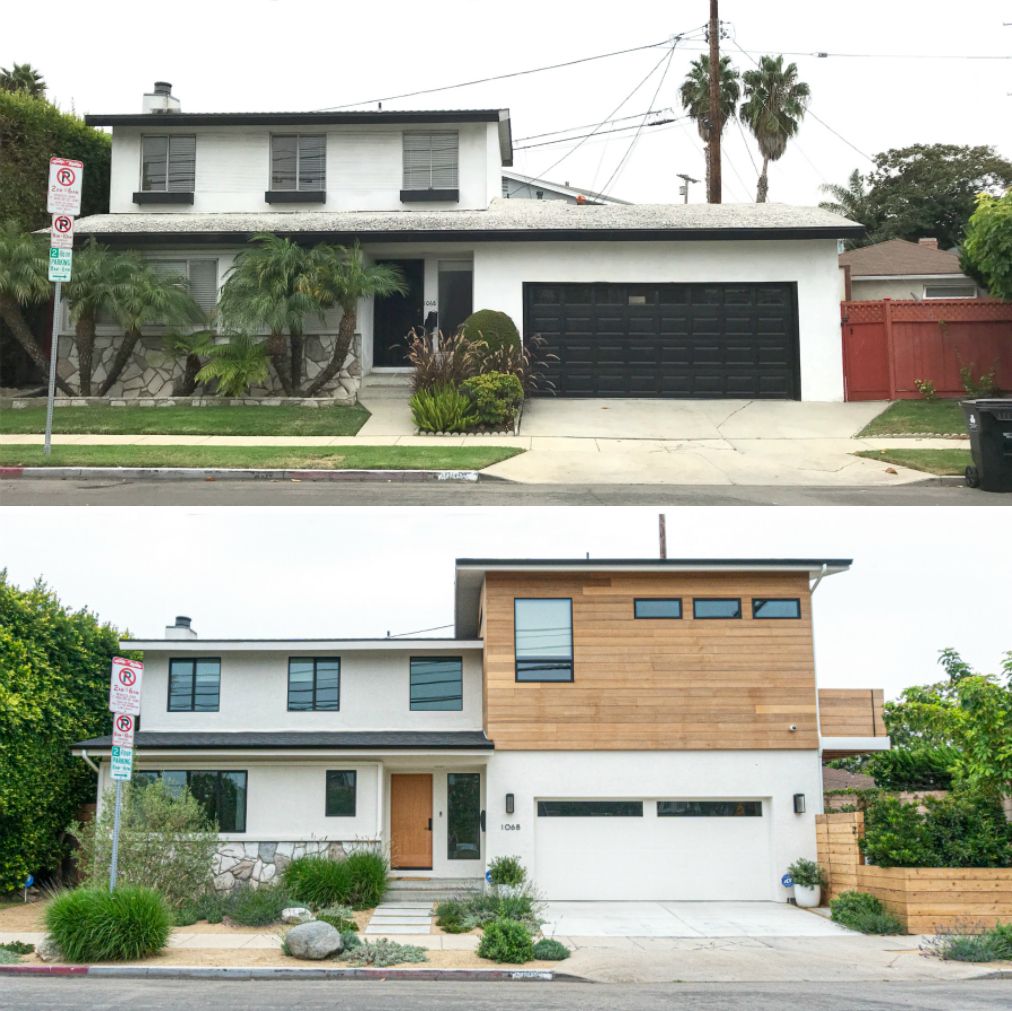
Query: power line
column 597, row 133
column 823, row 54
column 498, row 77
column 587, row 126
column 400, row 635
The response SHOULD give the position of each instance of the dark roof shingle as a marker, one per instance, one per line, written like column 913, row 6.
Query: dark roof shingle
column 899, row 257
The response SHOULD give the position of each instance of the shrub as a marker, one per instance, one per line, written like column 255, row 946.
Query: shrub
column 18, row 947
column 550, row 950
column 442, row 360
column 496, row 397
column 342, row 924
column 8, row 957
column 985, row 386
column 450, row 915
column 926, row 388
column 807, row 873
column 507, row 871
column 236, row 365
column 358, row 880
column 94, row 925
column 971, row 945
column 383, row 952
column 864, row 912
column 443, row 409
column 368, row 873
column 351, row 939
column 506, row 941
column 166, row 842
column 918, row 768
column 495, row 328
column 255, row 907
column 526, row 361
column 517, row 907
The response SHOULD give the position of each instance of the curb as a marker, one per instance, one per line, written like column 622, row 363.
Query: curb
column 237, row 474
column 182, row 972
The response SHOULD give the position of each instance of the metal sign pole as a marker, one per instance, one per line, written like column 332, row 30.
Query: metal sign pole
column 115, row 836
column 54, row 348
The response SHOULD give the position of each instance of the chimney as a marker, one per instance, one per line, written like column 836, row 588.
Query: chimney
column 160, row 99
column 181, row 629
column 928, row 243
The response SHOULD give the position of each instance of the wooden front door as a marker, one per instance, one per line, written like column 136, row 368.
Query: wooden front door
column 411, row 821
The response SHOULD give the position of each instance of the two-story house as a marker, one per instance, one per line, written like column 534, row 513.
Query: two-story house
column 630, row 729
column 651, row 300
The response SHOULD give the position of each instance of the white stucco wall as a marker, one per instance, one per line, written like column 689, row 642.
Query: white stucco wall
column 686, row 849
column 364, row 168
column 501, row 268
column 254, row 694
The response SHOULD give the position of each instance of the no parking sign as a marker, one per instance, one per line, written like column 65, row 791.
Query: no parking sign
column 125, row 686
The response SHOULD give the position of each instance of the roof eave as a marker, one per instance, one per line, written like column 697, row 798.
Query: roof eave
column 336, row 118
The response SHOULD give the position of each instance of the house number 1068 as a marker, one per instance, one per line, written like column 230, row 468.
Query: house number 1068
column 510, row 828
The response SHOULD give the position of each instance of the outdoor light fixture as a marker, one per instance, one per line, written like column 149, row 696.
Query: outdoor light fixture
column 799, row 803
column 509, row 803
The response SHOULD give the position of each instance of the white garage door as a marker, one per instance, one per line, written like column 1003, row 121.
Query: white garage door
column 653, row 849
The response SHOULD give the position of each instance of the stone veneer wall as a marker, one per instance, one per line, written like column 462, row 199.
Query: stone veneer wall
column 152, row 372
column 236, row 863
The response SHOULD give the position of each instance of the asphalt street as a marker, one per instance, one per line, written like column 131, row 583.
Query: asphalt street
column 70, row 492
column 374, row 995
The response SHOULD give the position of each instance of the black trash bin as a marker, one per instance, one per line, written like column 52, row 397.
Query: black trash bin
column 990, row 425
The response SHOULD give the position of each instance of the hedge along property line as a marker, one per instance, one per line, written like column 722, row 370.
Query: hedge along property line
column 925, row 899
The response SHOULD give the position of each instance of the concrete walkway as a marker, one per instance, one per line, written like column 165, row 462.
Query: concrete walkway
column 398, row 917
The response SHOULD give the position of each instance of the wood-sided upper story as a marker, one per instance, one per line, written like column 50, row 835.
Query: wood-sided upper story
column 651, row 655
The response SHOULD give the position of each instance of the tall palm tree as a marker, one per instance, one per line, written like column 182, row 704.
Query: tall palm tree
column 340, row 276
column 852, row 201
column 147, row 297
column 695, row 95
column 24, row 281
column 98, row 282
column 267, row 289
column 775, row 103
column 23, row 77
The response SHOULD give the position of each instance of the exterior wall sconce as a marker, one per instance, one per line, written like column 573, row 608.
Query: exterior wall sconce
column 799, row 803
column 509, row 803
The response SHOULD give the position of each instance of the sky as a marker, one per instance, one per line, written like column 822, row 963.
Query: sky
column 922, row 579
column 225, row 55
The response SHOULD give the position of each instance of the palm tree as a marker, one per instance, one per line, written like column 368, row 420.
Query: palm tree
column 236, row 365
column 340, row 276
column 695, row 94
column 23, row 77
column 851, row 201
column 266, row 289
column 24, row 281
column 775, row 103
column 192, row 348
column 147, row 297
column 98, row 282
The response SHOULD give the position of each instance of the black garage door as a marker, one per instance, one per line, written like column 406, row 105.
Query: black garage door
column 668, row 340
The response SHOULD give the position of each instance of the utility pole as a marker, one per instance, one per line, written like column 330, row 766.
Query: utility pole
column 715, row 126
column 683, row 190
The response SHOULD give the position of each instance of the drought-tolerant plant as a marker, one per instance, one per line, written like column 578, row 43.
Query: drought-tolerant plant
column 236, row 365
column 95, row 925
column 368, row 879
column 527, row 361
column 341, row 924
column 971, row 943
column 550, row 950
column 519, row 908
column 926, row 388
column 495, row 328
column 496, row 397
column 443, row 409
column 985, row 386
column 864, row 912
column 506, row 941
column 441, row 360
column 350, row 939
column 507, row 871
column 255, row 907
column 192, row 349
column 18, row 947
column 383, row 952
column 166, row 842
column 807, row 873
column 358, row 880
column 8, row 957
column 450, row 915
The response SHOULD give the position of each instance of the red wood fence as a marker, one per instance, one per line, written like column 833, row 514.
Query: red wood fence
column 888, row 344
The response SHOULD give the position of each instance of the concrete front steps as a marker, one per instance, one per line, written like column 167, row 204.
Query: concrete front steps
column 430, row 890
column 385, row 386
column 409, row 904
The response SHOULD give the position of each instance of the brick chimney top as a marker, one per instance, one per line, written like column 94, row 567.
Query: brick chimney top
column 929, row 243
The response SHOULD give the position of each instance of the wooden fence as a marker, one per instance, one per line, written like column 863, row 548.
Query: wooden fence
column 887, row 344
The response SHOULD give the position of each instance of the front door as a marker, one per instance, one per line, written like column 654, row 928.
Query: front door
column 411, row 821
column 395, row 315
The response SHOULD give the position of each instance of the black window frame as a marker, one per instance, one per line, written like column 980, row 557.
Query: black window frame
column 451, row 819
column 314, row 708
column 192, row 707
column 577, row 808
column 775, row 600
column 658, row 600
column 143, row 773
column 327, row 813
column 435, row 659
column 166, row 189
column 559, row 661
column 715, row 617
column 717, row 809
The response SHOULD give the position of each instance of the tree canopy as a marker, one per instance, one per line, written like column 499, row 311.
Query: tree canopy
column 54, row 678
column 987, row 248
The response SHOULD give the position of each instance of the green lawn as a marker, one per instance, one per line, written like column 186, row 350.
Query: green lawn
column 187, row 420
column 918, row 417
column 262, row 457
column 934, row 461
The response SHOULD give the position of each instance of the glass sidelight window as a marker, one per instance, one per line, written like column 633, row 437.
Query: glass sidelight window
column 544, row 639
column 463, row 816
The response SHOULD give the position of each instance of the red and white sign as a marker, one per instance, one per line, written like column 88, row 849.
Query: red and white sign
column 125, row 686
column 61, row 232
column 123, row 730
column 65, row 179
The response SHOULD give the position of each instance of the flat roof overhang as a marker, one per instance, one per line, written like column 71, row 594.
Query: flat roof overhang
column 206, row 646
column 843, row 747
column 292, row 742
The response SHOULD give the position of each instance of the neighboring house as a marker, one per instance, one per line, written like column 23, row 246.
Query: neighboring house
column 899, row 269
column 631, row 729
column 516, row 186
column 672, row 300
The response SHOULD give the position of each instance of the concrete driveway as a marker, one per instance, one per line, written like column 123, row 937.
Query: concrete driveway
column 685, row 919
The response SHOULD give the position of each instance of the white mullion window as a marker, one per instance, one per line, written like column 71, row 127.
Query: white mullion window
column 298, row 162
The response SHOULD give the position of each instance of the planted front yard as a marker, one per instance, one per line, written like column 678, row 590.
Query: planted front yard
column 239, row 420
column 262, row 457
column 918, row 417
column 945, row 462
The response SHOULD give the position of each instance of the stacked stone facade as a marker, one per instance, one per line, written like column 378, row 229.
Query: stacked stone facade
column 238, row 863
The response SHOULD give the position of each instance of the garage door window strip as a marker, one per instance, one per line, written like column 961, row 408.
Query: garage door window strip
column 709, row 809
column 716, row 607
column 543, row 638
column 772, row 607
column 657, row 607
column 590, row 809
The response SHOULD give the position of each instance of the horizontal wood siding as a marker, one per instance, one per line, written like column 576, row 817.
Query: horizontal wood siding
column 837, row 838
column 655, row 683
column 851, row 712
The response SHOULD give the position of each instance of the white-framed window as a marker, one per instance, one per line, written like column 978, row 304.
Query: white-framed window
column 168, row 163
column 950, row 291
column 200, row 273
column 431, row 160
column 298, row 161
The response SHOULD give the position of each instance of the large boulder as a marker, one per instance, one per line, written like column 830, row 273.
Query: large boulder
column 314, row 941
column 296, row 914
